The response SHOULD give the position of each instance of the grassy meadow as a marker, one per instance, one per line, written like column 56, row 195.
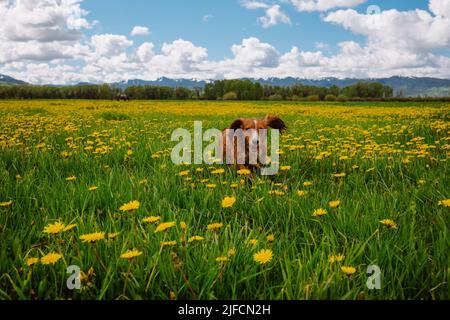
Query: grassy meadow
column 92, row 184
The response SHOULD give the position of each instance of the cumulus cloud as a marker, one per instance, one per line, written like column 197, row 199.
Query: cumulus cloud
column 324, row 5
column 140, row 31
column 42, row 20
column 274, row 14
column 50, row 46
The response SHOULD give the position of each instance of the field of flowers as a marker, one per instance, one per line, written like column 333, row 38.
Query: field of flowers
column 91, row 184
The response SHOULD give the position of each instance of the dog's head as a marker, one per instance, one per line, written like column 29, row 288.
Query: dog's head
column 255, row 125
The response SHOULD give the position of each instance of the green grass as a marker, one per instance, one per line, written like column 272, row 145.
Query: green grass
column 413, row 258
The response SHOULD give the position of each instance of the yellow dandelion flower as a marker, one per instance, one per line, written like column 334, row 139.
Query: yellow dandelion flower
column 183, row 225
column 348, row 270
column 168, row 243
column 93, row 188
column 164, row 226
column 211, row 186
column 231, row 252
column 184, row 173
column 320, row 212
column 54, row 228
column 285, row 168
column 336, row 258
column 32, row 261
column 218, row 171
column 214, row 226
column 263, row 256
column 390, row 224
column 334, row 204
column 445, row 203
column 244, row 172
column 340, row 175
column 6, row 204
column 228, row 202
column 71, row 178
column 92, row 237
column 131, row 254
column 271, row 238
column 252, row 242
column 51, row 258
column 222, row 259
column 195, row 238
column 113, row 235
column 130, row 206
column 69, row 227
column 151, row 219
column 308, row 183
column 302, row 193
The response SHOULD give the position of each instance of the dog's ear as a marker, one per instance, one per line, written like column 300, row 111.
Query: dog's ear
column 237, row 124
column 275, row 122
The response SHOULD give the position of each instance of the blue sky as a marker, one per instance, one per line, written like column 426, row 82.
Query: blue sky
column 68, row 41
column 230, row 22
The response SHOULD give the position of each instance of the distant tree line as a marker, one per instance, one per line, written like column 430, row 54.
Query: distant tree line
column 217, row 90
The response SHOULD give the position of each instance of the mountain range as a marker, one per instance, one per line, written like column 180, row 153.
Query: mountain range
column 406, row 86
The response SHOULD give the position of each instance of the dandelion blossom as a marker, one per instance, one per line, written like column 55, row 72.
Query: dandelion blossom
column 334, row 204
column 348, row 270
column 32, row 261
column 228, row 202
column 308, row 183
column 69, row 227
column 263, row 256
column 195, row 238
column 336, row 258
column 131, row 254
column 271, row 238
column 6, row 204
column 71, row 178
column 164, row 226
column 390, row 224
column 130, row 206
column 92, row 237
column 151, row 219
column 214, row 226
column 54, row 228
column 51, row 258
column 168, row 243
column 445, row 203
column 244, row 172
column 320, row 213
column 222, row 259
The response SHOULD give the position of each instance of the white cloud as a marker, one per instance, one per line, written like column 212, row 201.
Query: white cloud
column 207, row 17
column 440, row 7
column 253, row 53
column 274, row 14
column 253, row 5
column 140, row 31
column 49, row 46
column 324, row 5
column 110, row 44
column 42, row 20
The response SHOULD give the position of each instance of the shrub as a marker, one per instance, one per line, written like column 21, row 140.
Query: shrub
column 342, row 98
column 275, row 97
column 313, row 98
column 330, row 97
column 230, row 96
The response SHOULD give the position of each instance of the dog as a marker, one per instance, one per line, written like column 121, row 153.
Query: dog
column 233, row 155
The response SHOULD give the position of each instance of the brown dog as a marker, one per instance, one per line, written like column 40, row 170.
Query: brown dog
column 251, row 129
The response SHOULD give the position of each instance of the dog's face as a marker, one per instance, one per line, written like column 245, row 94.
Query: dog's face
column 255, row 125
